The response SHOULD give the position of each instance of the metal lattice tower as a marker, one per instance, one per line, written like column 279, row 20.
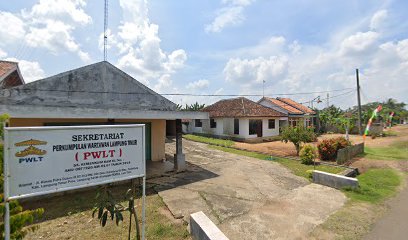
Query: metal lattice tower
column 105, row 32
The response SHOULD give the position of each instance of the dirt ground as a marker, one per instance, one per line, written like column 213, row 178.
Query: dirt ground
column 279, row 148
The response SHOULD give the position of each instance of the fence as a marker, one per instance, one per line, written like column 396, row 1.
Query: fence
column 346, row 154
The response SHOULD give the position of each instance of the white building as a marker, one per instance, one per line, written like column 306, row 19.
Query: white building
column 239, row 119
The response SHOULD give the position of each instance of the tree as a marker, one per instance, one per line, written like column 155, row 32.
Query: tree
column 344, row 123
column 18, row 217
column 192, row 107
column 297, row 135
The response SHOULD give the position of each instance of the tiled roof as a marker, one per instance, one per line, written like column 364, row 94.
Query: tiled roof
column 283, row 105
column 297, row 105
column 240, row 107
column 6, row 67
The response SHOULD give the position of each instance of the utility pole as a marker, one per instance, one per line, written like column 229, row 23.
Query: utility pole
column 263, row 88
column 359, row 104
column 328, row 103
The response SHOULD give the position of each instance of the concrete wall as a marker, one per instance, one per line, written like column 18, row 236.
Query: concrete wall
column 334, row 180
column 158, row 129
column 346, row 154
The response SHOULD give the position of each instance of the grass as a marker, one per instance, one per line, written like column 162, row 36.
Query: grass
column 296, row 167
column 214, row 141
column 396, row 151
column 71, row 216
column 375, row 186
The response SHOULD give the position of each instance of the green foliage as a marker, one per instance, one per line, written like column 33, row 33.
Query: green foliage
column 328, row 147
column 214, row 141
column 307, row 154
column 108, row 207
column 192, row 107
column 18, row 217
column 391, row 105
column 375, row 185
column 297, row 135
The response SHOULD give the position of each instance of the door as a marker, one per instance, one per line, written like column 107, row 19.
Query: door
column 258, row 128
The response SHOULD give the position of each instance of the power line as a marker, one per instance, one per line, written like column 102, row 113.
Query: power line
column 179, row 94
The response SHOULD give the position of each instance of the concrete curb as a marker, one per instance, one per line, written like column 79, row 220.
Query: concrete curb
column 334, row 180
column 202, row 228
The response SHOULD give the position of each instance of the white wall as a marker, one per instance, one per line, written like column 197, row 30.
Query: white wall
column 266, row 132
column 225, row 127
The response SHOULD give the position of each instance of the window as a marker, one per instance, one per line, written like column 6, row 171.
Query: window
column 236, row 126
column 271, row 123
column 198, row 123
column 213, row 123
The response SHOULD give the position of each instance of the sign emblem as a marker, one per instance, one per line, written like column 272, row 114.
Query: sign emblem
column 30, row 150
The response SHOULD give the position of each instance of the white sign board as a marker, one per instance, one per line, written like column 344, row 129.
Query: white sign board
column 42, row 160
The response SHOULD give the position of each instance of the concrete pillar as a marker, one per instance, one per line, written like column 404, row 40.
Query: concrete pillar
column 179, row 157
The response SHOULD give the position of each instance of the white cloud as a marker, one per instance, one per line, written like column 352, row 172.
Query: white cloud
column 64, row 10
column 47, row 24
column 361, row 42
column 329, row 65
column 259, row 69
column 11, row 28
column 377, row 21
column 31, row 70
column 198, row 85
column 164, row 83
column 54, row 36
column 231, row 15
column 3, row 54
column 139, row 49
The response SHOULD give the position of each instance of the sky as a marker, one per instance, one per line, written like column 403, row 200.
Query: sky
column 221, row 47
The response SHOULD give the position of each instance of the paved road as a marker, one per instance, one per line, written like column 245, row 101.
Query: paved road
column 246, row 198
column 394, row 225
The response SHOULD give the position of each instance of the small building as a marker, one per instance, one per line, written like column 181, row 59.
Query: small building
column 238, row 119
column 97, row 94
column 10, row 75
column 296, row 112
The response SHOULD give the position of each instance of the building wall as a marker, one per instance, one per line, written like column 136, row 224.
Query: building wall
column 225, row 127
column 158, row 129
column 266, row 132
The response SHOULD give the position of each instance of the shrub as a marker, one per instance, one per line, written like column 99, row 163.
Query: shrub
column 297, row 135
column 307, row 154
column 328, row 148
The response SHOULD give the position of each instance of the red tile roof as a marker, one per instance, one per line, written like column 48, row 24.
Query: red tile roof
column 297, row 105
column 240, row 107
column 283, row 105
column 10, row 75
column 6, row 67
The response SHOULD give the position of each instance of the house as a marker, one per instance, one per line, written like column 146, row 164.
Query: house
column 97, row 94
column 296, row 112
column 239, row 119
column 10, row 75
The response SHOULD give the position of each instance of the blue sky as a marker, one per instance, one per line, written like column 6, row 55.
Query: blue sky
column 220, row 46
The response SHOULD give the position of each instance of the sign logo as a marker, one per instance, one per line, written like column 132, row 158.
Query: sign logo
column 30, row 150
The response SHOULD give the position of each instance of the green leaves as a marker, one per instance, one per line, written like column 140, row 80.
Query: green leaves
column 107, row 206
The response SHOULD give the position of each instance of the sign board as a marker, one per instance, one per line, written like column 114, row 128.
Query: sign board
column 42, row 160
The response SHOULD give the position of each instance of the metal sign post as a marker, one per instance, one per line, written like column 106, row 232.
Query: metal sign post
column 44, row 160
